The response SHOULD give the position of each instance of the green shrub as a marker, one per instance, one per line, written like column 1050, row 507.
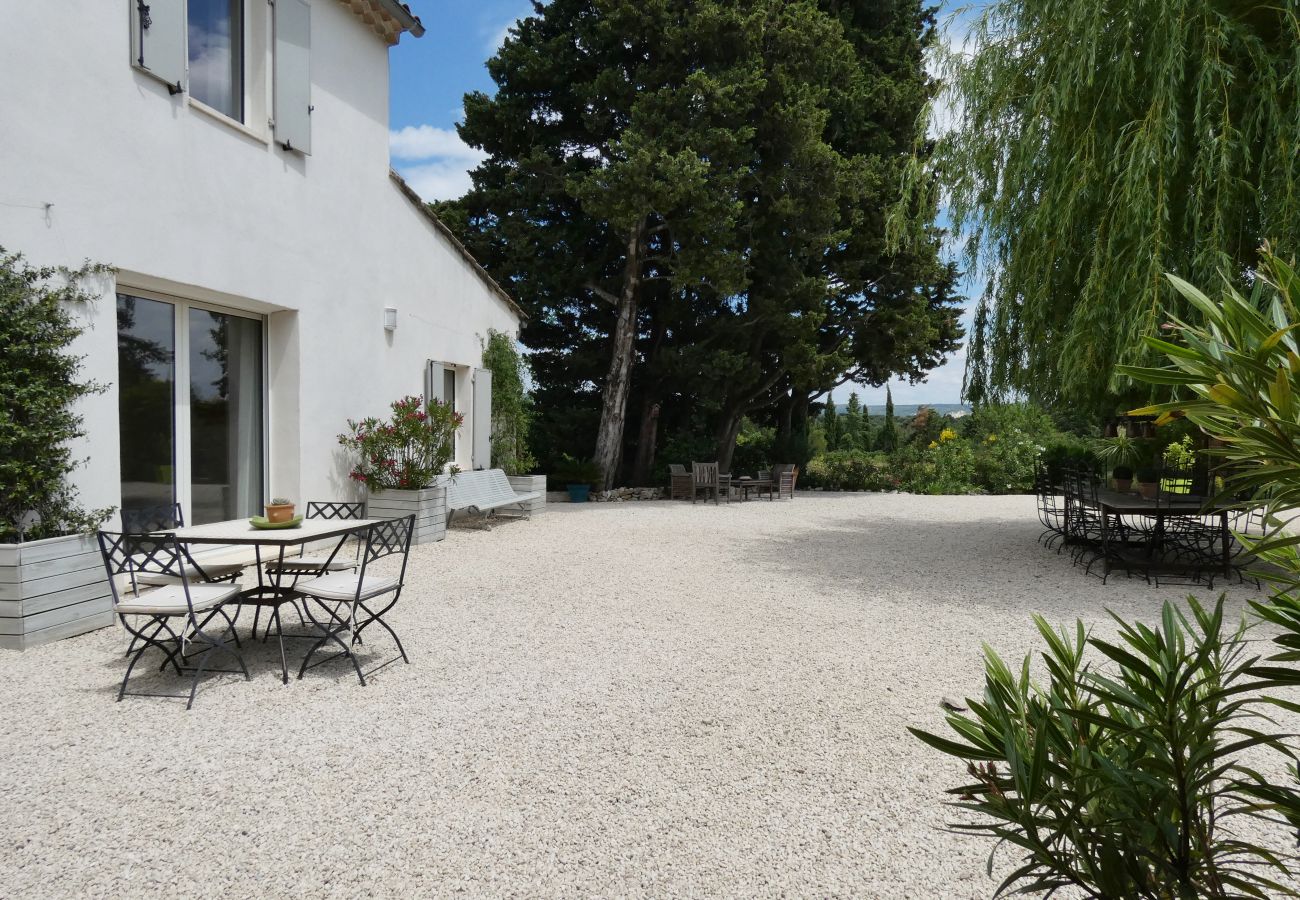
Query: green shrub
column 1007, row 464
column 1003, row 419
column 946, row 466
column 1120, row 780
column 850, row 470
column 511, row 406
column 38, row 389
column 574, row 471
column 754, row 449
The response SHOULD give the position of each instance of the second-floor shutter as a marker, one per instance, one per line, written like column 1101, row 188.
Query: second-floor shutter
column 158, row 40
column 293, row 74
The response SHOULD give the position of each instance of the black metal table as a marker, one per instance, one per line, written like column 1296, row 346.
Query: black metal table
column 1115, row 503
column 271, row 592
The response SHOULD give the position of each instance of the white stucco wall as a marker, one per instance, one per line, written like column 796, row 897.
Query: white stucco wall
column 184, row 203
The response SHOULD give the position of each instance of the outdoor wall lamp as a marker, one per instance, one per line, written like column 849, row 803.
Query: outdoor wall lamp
column 390, row 318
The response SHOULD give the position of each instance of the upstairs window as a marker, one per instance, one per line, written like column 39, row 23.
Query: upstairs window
column 216, row 55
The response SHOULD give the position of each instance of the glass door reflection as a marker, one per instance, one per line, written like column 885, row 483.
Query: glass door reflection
column 225, row 375
column 146, row 364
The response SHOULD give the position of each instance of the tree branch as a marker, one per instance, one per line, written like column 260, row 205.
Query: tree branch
column 601, row 293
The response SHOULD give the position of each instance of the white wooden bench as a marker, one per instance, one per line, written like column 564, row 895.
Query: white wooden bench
column 483, row 492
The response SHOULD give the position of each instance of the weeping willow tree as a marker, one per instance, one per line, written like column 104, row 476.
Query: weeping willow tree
column 1084, row 150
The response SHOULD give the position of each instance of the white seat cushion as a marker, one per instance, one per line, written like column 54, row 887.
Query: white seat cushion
column 169, row 600
column 310, row 564
column 212, row 570
column 343, row 586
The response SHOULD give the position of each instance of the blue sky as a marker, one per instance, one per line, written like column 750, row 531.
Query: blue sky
column 430, row 77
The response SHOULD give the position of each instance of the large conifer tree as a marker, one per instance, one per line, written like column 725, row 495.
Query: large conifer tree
column 687, row 196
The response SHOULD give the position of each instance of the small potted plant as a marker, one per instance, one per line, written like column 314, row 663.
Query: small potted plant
column 1123, row 476
column 279, row 510
column 1148, row 482
column 578, row 476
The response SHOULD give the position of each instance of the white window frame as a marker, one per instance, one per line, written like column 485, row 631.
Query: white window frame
column 182, row 448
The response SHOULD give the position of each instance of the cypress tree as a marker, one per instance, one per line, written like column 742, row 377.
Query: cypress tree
column 888, row 440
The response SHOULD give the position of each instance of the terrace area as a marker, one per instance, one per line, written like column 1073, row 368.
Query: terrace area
column 615, row 699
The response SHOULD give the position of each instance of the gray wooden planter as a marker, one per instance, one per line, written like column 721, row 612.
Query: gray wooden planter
column 525, row 484
column 52, row 589
column 429, row 506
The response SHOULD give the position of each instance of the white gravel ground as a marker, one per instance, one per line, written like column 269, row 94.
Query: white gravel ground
column 613, row 699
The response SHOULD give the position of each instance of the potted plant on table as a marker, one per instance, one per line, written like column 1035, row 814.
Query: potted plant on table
column 279, row 510
column 401, row 462
column 52, row 581
column 1148, row 482
column 1121, row 452
column 578, row 476
column 1123, row 476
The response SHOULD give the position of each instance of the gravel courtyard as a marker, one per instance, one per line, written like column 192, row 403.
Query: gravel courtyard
column 614, row 699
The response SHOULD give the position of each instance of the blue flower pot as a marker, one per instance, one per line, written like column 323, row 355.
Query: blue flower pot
column 579, row 493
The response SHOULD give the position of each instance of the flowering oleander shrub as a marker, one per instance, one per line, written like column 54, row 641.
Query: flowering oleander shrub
column 407, row 452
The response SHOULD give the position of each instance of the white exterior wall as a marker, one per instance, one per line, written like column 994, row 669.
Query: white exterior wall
column 182, row 202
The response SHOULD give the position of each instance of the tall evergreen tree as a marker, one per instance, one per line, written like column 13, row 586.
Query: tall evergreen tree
column 686, row 197
column 854, row 423
column 888, row 438
column 832, row 427
column 1094, row 147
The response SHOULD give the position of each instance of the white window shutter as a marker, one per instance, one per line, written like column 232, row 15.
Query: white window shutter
column 158, row 40
column 481, row 454
column 293, row 74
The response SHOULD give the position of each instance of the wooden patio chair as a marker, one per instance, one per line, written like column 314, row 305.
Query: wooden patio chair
column 784, row 477
column 680, row 483
column 705, row 477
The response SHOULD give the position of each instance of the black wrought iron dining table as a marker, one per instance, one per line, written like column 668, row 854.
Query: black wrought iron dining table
column 1116, row 503
column 271, row 591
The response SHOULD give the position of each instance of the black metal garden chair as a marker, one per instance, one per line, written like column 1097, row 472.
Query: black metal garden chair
column 296, row 567
column 152, row 519
column 353, row 601
column 174, row 617
column 321, row 564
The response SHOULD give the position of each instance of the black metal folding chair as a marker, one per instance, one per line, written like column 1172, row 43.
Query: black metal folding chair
column 353, row 601
column 320, row 564
column 150, row 519
column 296, row 567
column 170, row 612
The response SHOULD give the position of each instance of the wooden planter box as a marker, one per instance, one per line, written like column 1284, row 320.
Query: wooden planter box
column 525, row 484
column 429, row 506
column 52, row 589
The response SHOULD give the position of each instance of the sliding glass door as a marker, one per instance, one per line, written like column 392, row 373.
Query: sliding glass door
column 201, row 444
column 146, row 400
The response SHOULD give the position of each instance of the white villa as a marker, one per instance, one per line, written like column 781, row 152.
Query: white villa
column 272, row 277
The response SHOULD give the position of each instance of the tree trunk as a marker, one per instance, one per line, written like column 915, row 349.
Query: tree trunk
column 613, row 408
column 645, row 445
column 727, row 431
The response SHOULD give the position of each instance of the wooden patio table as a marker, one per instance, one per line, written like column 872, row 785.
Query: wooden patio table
column 758, row 484
column 1115, row 503
column 271, row 591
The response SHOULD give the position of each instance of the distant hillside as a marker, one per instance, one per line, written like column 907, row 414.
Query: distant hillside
column 908, row 410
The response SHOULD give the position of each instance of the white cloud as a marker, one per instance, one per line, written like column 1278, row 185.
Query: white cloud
column 437, row 181
column 498, row 36
column 437, row 162
column 426, row 142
